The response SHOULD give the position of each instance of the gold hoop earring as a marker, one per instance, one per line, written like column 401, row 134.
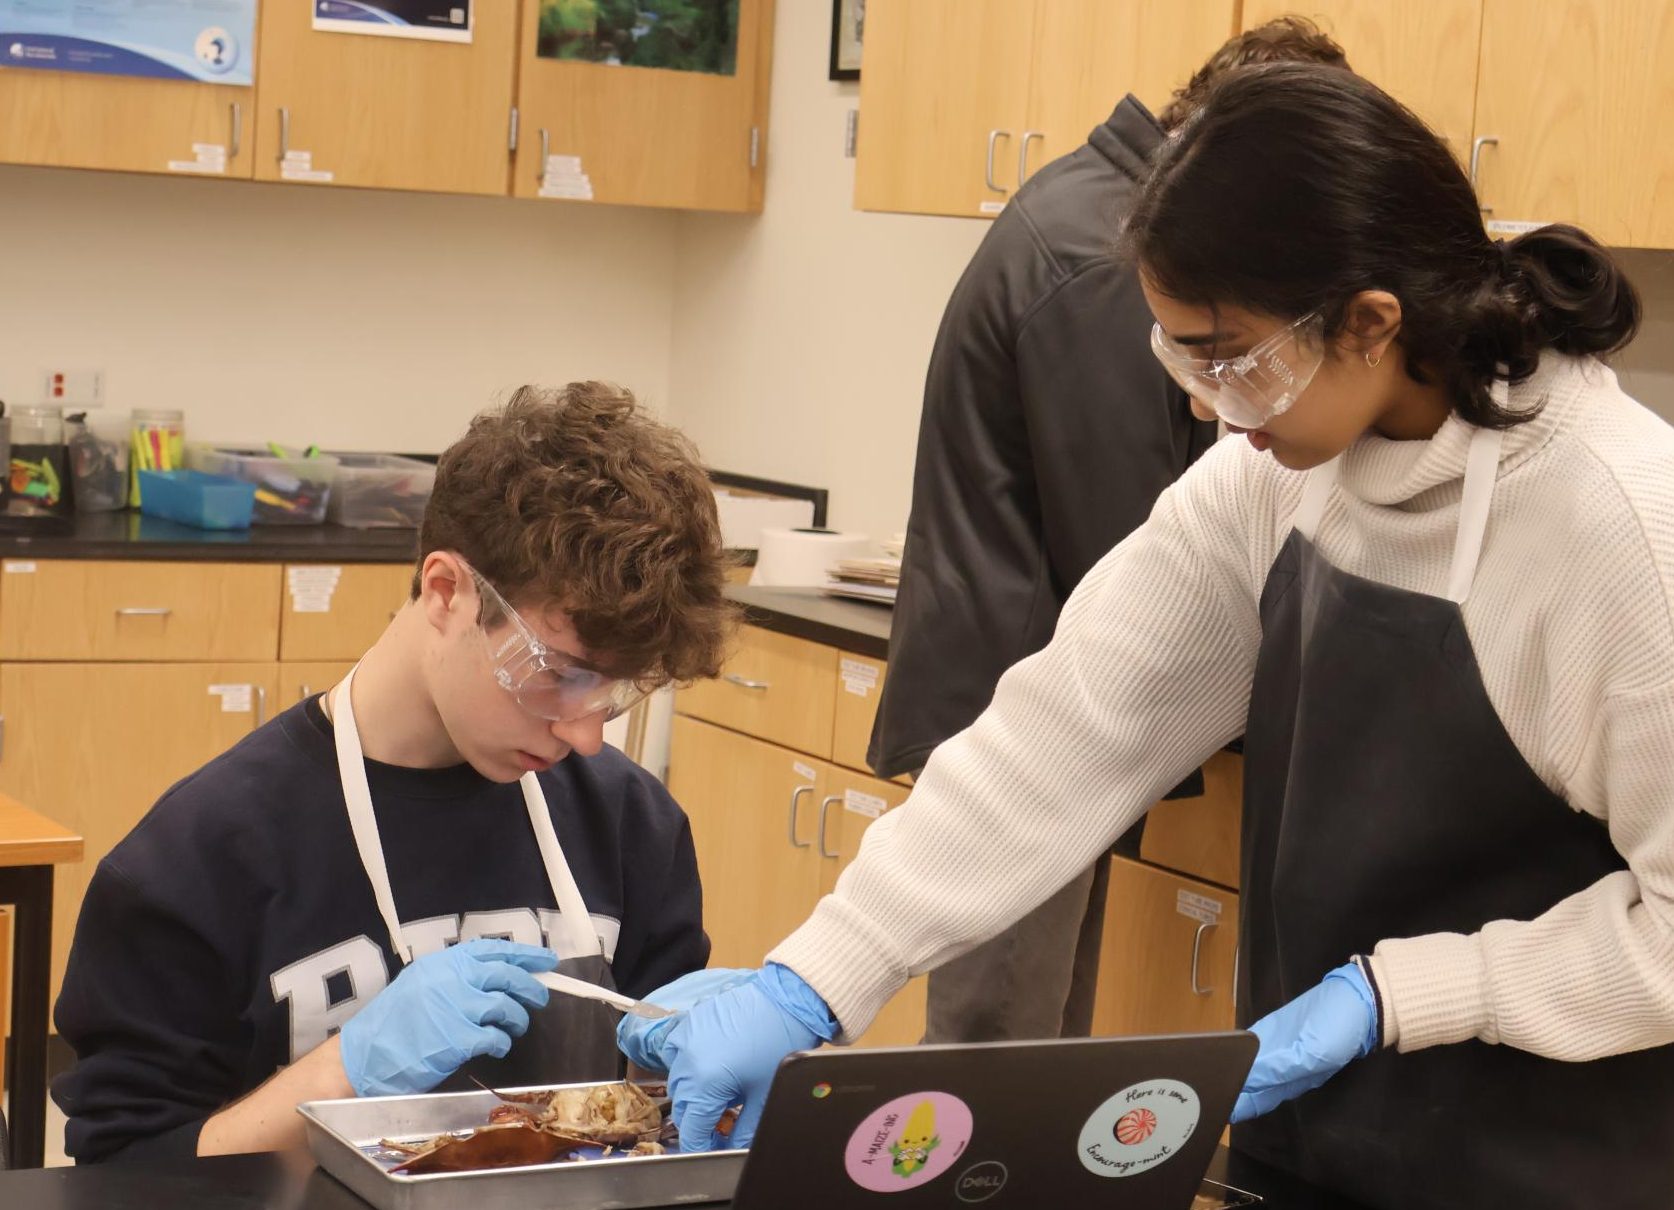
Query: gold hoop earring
column 1374, row 362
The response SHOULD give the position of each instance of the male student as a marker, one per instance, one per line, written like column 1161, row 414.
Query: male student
column 356, row 898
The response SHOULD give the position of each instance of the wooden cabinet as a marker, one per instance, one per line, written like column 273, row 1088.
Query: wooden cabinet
column 1200, row 836
column 1424, row 55
column 1578, row 95
column 336, row 613
column 94, row 745
column 74, row 120
column 386, row 113
column 753, row 808
column 962, row 99
column 301, row 680
column 646, row 136
column 773, row 830
column 89, row 610
column 1166, row 964
column 773, row 686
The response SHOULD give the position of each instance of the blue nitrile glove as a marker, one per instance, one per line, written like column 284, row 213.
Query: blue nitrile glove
column 642, row 1039
column 1310, row 1040
column 445, row 1009
column 726, row 1049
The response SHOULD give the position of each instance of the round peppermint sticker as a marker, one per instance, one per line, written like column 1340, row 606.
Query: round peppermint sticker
column 908, row 1142
column 1139, row 1128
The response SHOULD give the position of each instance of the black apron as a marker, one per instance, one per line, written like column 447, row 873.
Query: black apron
column 1383, row 799
column 570, row 1041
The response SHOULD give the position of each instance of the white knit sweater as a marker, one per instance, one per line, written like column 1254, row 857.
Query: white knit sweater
column 1150, row 670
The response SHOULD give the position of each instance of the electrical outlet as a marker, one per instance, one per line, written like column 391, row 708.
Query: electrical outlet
column 83, row 388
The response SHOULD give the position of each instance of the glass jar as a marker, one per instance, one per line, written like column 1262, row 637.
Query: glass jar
column 39, row 463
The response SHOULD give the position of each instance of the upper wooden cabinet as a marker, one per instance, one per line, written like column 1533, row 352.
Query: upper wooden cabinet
column 1577, row 95
column 962, row 100
column 645, row 136
column 72, row 120
column 1422, row 54
column 387, row 113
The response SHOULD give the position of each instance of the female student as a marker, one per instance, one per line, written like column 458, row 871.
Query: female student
column 1431, row 582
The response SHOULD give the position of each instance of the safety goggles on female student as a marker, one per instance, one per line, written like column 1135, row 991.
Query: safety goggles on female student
column 549, row 683
column 1249, row 390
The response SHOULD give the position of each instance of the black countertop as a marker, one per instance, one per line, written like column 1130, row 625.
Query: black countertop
column 807, row 613
column 270, row 1182
column 128, row 535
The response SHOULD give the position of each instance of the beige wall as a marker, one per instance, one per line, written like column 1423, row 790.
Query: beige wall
column 801, row 337
column 342, row 317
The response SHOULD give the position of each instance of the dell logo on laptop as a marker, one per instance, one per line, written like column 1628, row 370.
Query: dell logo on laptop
column 981, row 1181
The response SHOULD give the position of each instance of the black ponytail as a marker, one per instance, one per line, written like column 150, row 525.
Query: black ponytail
column 1297, row 186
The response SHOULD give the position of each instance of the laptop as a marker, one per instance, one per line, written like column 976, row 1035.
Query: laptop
column 1124, row 1123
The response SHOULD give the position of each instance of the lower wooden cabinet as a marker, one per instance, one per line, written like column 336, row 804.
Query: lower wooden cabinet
column 1168, row 959
column 303, row 679
column 773, row 829
column 93, row 746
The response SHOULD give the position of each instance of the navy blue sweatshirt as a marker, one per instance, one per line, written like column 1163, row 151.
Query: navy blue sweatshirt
column 234, row 930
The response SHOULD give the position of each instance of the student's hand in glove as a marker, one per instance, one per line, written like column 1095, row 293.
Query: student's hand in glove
column 725, row 1050
column 442, row 1011
column 642, row 1040
column 1310, row 1040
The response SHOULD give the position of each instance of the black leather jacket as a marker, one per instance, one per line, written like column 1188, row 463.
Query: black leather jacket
column 1048, row 431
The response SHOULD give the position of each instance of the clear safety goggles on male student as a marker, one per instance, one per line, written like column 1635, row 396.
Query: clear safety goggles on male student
column 1249, row 390
column 548, row 683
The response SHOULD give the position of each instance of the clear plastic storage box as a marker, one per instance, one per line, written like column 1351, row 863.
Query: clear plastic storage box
column 289, row 491
column 380, row 491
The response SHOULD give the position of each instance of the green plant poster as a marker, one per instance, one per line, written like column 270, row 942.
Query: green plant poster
column 678, row 35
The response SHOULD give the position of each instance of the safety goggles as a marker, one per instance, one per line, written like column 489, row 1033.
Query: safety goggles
column 549, row 684
column 1249, row 390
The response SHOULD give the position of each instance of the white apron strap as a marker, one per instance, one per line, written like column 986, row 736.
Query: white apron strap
column 357, row 795
column 576, row 937
column 1482, row 465
column 1315, row 492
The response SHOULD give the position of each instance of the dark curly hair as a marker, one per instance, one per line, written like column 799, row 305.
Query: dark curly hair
column 1296, row 186
column 1288, row 39
column 575, row 499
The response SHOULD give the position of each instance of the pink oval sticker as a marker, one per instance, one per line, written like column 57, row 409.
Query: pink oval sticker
column 908, row 1142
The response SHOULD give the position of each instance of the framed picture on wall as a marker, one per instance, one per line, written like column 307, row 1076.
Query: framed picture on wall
column 848, row 17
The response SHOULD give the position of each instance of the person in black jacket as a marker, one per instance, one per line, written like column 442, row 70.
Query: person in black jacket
column 1048, row 431
column 356, row 899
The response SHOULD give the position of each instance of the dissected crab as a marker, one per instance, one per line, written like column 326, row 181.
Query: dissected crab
column 543, row 1127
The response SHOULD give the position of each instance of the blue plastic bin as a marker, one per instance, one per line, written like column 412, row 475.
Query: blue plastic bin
column 197, row 499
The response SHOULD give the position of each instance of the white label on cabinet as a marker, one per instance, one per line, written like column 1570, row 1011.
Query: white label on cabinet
column 1507, row 226
column 20, row 567
column 991, row 207
column 859, row 677
column 805, row 772
column 299, row 166
column 235, row 699
column 869, row 805
column 564, row 177
column 312, row 588
column 211, row 160
column 1199, row 907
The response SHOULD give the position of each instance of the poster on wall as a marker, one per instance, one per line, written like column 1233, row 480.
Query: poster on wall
column 430, row 20
column 156, row 39
column 848, row 23
column 677, row 35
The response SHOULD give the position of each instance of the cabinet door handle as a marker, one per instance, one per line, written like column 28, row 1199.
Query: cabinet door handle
column 1197, row 953
column 284, row 133
column 234, row 143
column 546, row 154
column 304, row 694
column 1023, row 155
column 261, row 704
column 796, row 797
column 988, row 169
column 732, row 678
column 825, row 807
column 144, row 611
column 1476, row 159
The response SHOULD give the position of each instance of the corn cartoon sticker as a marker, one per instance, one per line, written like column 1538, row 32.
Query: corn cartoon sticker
column 908, row 1142
column 1139, row 1128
